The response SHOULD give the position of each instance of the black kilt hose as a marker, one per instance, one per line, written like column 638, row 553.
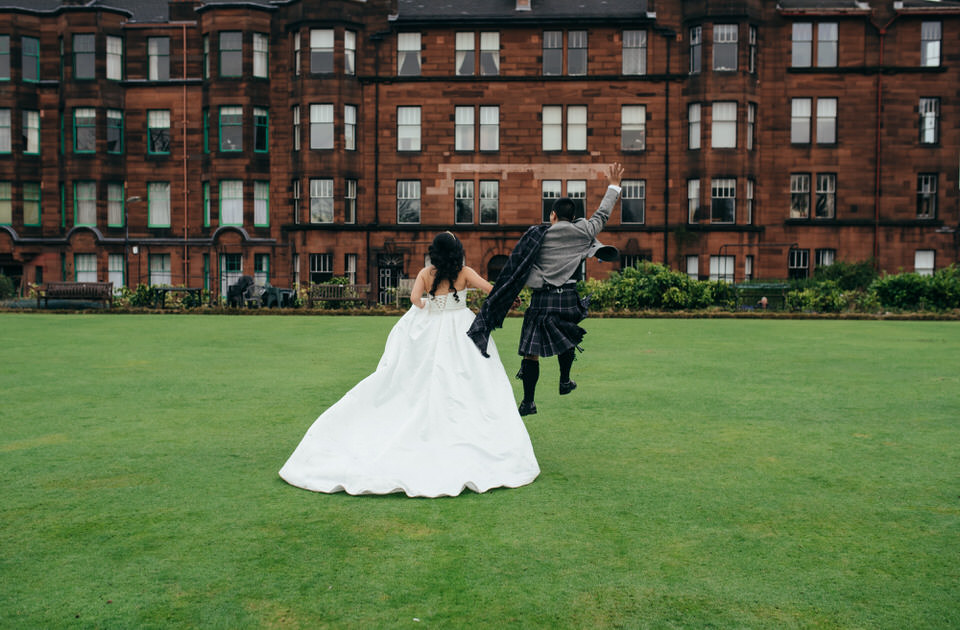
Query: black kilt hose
column 550, row 324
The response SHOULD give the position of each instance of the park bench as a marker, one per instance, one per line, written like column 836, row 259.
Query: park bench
column 337, row 293
column 89, row 291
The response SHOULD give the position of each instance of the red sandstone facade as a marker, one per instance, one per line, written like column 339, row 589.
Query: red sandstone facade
column 300, row 140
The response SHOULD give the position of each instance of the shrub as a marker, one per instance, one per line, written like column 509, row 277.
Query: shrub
column 7, row 289
column 143, row 296
column 849, row 276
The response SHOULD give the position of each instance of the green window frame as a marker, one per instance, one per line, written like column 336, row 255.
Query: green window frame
column 31, row 203
column 261, row 204
column 231, row 54
column 30, row 59
column 116, row 205
column 158, row 131
column 206, row 204
column 115, row 131
column 6, row 203
column 4, row 57
column 84, row 267
column 6, row 130
column 31, row 132
column 85, row 203
column 231, row 129
column 158, row 204
column 84, row 130
column 261, row 130
column 84, row 56
column 231, row 202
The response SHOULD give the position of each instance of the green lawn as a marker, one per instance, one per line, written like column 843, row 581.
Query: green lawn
column 706, row 474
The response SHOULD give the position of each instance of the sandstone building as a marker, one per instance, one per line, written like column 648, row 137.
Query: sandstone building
column 190, row 142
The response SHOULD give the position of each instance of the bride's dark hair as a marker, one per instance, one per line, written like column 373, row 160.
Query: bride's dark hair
column 446, row 255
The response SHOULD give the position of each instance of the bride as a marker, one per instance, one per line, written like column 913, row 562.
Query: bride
column 435, row 417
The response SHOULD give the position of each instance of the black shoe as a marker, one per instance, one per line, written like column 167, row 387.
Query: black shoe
column 527, row 408
column 567, row 386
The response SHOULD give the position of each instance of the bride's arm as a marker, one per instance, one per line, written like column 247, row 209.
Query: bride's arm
column 477, row 281
column 419, row 286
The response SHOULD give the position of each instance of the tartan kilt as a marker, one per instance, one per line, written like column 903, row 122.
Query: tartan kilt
column 550, row 324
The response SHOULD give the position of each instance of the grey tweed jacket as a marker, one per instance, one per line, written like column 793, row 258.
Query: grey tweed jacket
column 567, row 243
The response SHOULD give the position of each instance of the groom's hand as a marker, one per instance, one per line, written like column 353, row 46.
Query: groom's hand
column 615, row 173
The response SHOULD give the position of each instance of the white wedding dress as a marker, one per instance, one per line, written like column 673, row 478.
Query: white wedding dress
column 435, row 417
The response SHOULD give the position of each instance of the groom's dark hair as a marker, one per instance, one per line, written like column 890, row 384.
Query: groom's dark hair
column 564, row 208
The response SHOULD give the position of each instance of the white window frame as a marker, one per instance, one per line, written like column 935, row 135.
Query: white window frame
column 723, row 132
column 634, row 53
column 321, row 200
column 633, row 127
column 725, row 37
column 408, row 54
column 408, row 128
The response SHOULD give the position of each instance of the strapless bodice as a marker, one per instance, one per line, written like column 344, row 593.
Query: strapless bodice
column 447, row 302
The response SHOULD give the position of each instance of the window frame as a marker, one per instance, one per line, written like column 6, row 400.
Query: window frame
column 261, row 130
column 825, row 203
column 228, row 57
column 323, row 42
column 152, row 139
column 720, row 210
column 114, row 64
column 154, row 197
column 85, row 203
column 261, row 56
column 233, row 124
column 489, row 197
column 230, row 202
column 111, row 125
column 928, row 57
column 261, row 203
column 405, row 197
column 633, row 52
column 31, row 193
column 158, row 60
column 321, row 200
column 27, row 53
column 927, row 195
column 409, row 46
column 87, row 57
column 30, row 132
column 726, row 36
column 464, row 202
column 409, row 131
column 636, row 191
column 319, row 124
column 88, row 129
column 719, row 127
column 800, row 195
column 637, row 124
column 928, row 109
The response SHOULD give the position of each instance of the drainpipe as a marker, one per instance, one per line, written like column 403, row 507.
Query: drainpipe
column 878, row 150
column 669, row 35
column 186, row 267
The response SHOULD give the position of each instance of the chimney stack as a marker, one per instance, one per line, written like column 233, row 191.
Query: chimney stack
column 523, row 5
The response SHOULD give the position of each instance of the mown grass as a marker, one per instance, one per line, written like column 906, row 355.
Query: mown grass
column 706, row 474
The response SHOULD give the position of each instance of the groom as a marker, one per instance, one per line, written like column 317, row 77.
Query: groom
column 547, row 259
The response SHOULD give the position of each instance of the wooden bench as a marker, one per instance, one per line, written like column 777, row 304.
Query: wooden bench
column 89, row 291
column 337, row 293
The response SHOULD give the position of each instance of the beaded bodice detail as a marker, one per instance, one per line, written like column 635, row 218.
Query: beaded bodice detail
column 447, row 302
